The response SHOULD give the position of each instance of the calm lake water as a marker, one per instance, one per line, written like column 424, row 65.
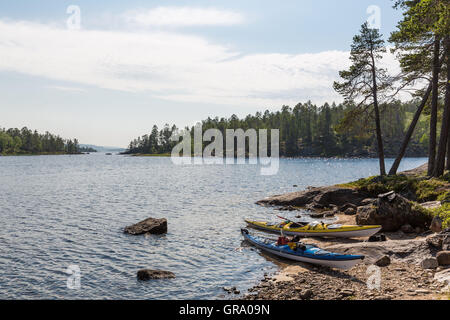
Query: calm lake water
column 57, row 211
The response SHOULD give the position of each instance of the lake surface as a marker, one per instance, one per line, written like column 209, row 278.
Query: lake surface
column 58, row 211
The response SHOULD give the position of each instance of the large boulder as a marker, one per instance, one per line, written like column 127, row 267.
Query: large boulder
column 443, row 258
column 320, row 197
column 150, row 226
column 392, row 211
column 148, row 274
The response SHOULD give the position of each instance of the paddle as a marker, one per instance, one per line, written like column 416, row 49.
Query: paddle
column 284, row 218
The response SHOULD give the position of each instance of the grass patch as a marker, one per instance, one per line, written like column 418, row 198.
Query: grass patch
column 444, row 213
column 417, row 188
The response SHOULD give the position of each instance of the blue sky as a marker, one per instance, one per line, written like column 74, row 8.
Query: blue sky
column 136, row 63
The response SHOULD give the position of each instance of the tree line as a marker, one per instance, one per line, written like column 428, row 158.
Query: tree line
column 26, row 141
column 308, row 130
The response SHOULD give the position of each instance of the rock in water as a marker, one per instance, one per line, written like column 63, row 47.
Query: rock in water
column 148, row 274
column 429, row 263
column 383, row 261
column 150, row 225
column 443, row 258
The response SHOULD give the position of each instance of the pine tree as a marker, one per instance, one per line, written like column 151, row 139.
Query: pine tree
column 365, row 81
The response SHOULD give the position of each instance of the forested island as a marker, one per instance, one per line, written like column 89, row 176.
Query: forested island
column 28, row 142
column 308, row 130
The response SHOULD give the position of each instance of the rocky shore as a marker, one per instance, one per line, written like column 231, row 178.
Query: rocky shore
column 406, row 264
column 413, row 262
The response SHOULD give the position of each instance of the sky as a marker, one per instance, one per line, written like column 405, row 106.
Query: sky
column 105, row 71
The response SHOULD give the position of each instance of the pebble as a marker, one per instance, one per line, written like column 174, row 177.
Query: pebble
column 422, row 291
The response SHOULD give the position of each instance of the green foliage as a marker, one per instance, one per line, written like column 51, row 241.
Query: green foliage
column 444, row 213
column 423, row 21
column 157, row 142
column 358, row 85
column 418, row 188
column 25, row 141
column 308, row 130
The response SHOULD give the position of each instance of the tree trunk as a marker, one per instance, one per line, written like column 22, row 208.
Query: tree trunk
column 443, row 140
column 434, row 108
column 377, row 120
column 410, row 131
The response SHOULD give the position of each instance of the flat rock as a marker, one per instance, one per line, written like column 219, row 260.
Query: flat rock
column 429, row 263
column 411, row 251
column 150, row 226
column 431, row 204
column 443, row 276
column 148, row 274
column 322, row 196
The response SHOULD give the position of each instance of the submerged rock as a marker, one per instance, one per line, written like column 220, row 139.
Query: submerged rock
column 150, row 225
column 148, row 274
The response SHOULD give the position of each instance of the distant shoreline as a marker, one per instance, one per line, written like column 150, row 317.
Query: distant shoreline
column 168, row 155
column 38, row 154
column 162, row 155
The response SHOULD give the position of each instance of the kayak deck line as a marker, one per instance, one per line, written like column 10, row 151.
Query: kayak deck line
column 319, row 230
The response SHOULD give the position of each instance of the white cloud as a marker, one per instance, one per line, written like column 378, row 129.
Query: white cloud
column 65, row 88
column 184, row 16
column 169, row 65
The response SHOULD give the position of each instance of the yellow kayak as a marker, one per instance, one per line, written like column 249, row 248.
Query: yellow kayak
column 315, row 229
